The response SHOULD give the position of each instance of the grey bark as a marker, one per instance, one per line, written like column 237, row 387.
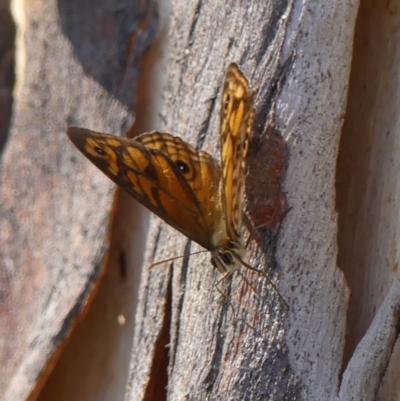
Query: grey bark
column 286, row 50
column 74, row 65
column 170, row 325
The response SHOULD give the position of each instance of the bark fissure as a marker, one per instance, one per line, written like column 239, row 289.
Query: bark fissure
column 156, row 389
column 206, row 123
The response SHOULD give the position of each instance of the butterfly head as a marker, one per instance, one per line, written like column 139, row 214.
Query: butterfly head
column 227, row 255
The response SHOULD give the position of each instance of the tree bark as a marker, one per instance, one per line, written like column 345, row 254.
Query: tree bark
column 77, row 64
column 297, row 57
column 367, row 198
column 314, row 220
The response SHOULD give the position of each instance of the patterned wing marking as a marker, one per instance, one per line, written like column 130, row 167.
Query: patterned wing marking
column 201, row 171
column 163, row 173
column 237, row 116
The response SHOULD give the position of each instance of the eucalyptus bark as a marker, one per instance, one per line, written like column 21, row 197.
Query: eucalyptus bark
column 76, row 63
column 315, row 221
column 264, row 352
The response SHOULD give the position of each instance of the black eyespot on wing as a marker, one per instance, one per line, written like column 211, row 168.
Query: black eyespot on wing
column 100, row 151
column 182, row 166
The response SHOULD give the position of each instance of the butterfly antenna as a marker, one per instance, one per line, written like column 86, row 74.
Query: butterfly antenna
column 269, row 281
column 174, row 258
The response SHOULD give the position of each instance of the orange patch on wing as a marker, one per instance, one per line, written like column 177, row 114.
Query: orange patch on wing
column 147, row 187
column 113, row 167
column 133, row 154
column 237, row 120
column 170, row 181
column 133, row 179
column 113, row 142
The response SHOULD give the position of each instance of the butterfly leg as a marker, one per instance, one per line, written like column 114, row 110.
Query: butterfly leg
column 269, row 282
column 224, row 295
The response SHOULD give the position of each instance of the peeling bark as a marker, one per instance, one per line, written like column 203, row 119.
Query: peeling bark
column 167, row 333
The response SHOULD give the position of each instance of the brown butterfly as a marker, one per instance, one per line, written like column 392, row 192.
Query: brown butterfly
column 183, row 186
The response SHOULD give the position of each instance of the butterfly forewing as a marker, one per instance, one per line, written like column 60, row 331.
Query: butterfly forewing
column 163, row 173
column 237, row 115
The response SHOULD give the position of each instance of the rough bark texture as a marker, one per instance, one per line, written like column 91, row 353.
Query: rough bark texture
column 368, row 195
column 7, row 62
column 169, row 334
column 285, row 49
column 74, row 67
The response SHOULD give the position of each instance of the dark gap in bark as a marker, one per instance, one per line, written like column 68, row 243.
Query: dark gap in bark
column 157, row 386
column 7, row 70
column 350, row 152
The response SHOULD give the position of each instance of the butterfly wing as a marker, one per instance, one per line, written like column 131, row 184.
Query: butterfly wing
column 237, row 116
column 202, row 173
column 162, row 172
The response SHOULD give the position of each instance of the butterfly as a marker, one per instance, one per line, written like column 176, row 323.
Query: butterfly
column 185, row 187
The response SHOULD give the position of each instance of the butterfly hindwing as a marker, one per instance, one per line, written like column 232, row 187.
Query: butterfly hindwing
column 200, row 170
column 237, row 115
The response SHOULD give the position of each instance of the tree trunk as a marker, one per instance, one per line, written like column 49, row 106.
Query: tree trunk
column 77, row 64
column 264, row 352
column 167, row 333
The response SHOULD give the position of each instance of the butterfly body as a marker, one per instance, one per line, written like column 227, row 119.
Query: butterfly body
column 183, row 186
